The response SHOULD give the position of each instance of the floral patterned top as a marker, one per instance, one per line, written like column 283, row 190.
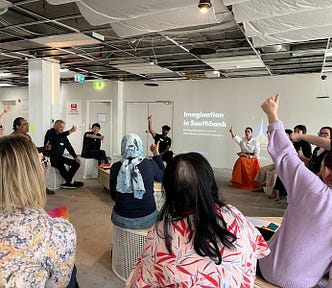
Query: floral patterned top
column 185, row 268
column 35, row 249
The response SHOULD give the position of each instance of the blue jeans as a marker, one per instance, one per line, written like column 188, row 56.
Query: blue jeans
column 135, row 223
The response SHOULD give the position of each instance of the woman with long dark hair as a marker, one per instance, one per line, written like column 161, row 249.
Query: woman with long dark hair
column 199, row 240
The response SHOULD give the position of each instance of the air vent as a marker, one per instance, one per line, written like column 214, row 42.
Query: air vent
column 151, row 84
column 202, row 51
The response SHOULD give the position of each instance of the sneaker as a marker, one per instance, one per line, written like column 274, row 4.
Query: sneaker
column 77, row 184
column 49, row 192
column 68, row 186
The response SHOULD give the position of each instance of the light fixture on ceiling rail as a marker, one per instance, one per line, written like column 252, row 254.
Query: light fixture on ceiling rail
column 153, row 61
column 204, row 5
column 323, row 94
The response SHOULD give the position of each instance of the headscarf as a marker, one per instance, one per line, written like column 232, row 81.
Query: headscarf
column 129, row 179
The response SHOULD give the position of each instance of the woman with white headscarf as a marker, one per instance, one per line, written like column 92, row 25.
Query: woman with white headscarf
column 131, row 184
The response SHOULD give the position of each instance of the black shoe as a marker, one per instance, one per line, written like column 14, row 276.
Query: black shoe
column 49, row 192
column 68, row 186
column 78, row 184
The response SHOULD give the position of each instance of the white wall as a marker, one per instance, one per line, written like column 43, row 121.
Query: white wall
column 238, row 99
column 19, row 96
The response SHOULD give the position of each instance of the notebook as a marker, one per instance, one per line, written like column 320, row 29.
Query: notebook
column 61, row 211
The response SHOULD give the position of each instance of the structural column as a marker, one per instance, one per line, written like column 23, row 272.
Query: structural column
column 118, row 119
column 44, row 97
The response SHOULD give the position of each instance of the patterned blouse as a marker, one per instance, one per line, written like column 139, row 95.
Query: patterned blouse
column 35, row 249
column 185, row 268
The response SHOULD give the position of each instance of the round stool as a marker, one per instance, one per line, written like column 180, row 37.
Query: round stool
column 158, row 195
column 53, row 178
column 127, row 247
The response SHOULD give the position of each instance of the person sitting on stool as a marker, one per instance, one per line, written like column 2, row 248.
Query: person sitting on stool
column 91, row 145
column 55, row 143
column 165, row 142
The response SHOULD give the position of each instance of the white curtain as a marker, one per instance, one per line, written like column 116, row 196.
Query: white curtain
column 129, row 18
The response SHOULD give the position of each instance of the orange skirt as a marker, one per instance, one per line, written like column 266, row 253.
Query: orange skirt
column 244, row 173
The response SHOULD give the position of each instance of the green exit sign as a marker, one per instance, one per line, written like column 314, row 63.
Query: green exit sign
column 98, row 84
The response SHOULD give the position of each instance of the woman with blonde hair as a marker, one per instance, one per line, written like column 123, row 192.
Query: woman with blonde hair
column 36, row 250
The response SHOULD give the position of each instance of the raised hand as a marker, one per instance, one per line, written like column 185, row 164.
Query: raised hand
column 270, row 107
column 73, row 129
column 154, row 148
column 7, row 108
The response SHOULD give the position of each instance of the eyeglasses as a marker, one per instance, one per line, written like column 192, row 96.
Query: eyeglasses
column 324, row 133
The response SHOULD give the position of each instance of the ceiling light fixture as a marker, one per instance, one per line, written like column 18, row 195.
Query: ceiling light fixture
column 204, row 5
column 323, row 88
column 2, row 84
column 5, row 74
column 153, row 61
column 64, row 70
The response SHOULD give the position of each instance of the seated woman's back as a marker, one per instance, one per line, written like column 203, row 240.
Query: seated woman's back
column 126, row 202
column 131, row 185
column 36, row 250
column 199, row 241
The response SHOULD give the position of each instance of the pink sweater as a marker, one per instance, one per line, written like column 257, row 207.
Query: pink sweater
column 301, row 250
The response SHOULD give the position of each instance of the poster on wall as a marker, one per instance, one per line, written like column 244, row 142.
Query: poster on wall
column 73, row 108
column 101, row 117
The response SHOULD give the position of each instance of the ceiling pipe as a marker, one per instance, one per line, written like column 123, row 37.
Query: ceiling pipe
column 324, row 60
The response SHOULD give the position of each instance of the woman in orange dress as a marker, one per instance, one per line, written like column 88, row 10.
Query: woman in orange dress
column 246, row 166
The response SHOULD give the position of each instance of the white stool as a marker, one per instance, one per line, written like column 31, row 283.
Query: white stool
column 158, row 196
column 270, row 182
column 90, row 168
column 127, row 247
column 53, row 178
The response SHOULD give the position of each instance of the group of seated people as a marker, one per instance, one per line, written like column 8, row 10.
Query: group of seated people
column 197, row 239
column 247, row 173
column 266, row 175
column 55, row 144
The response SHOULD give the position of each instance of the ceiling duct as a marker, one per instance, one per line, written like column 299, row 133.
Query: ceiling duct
column 202, row 51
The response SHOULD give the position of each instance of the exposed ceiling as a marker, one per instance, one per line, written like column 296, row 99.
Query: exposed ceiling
column 165, row 40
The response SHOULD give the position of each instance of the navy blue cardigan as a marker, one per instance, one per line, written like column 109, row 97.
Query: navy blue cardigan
column 125, row 204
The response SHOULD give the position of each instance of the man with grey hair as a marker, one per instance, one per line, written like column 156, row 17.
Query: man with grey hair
column 55, row 143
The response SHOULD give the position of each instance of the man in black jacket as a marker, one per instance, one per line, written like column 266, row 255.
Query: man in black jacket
column 55, row 143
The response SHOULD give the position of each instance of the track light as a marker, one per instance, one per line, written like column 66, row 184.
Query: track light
column 153, row 61
column 323, row 93
column 204, row 5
